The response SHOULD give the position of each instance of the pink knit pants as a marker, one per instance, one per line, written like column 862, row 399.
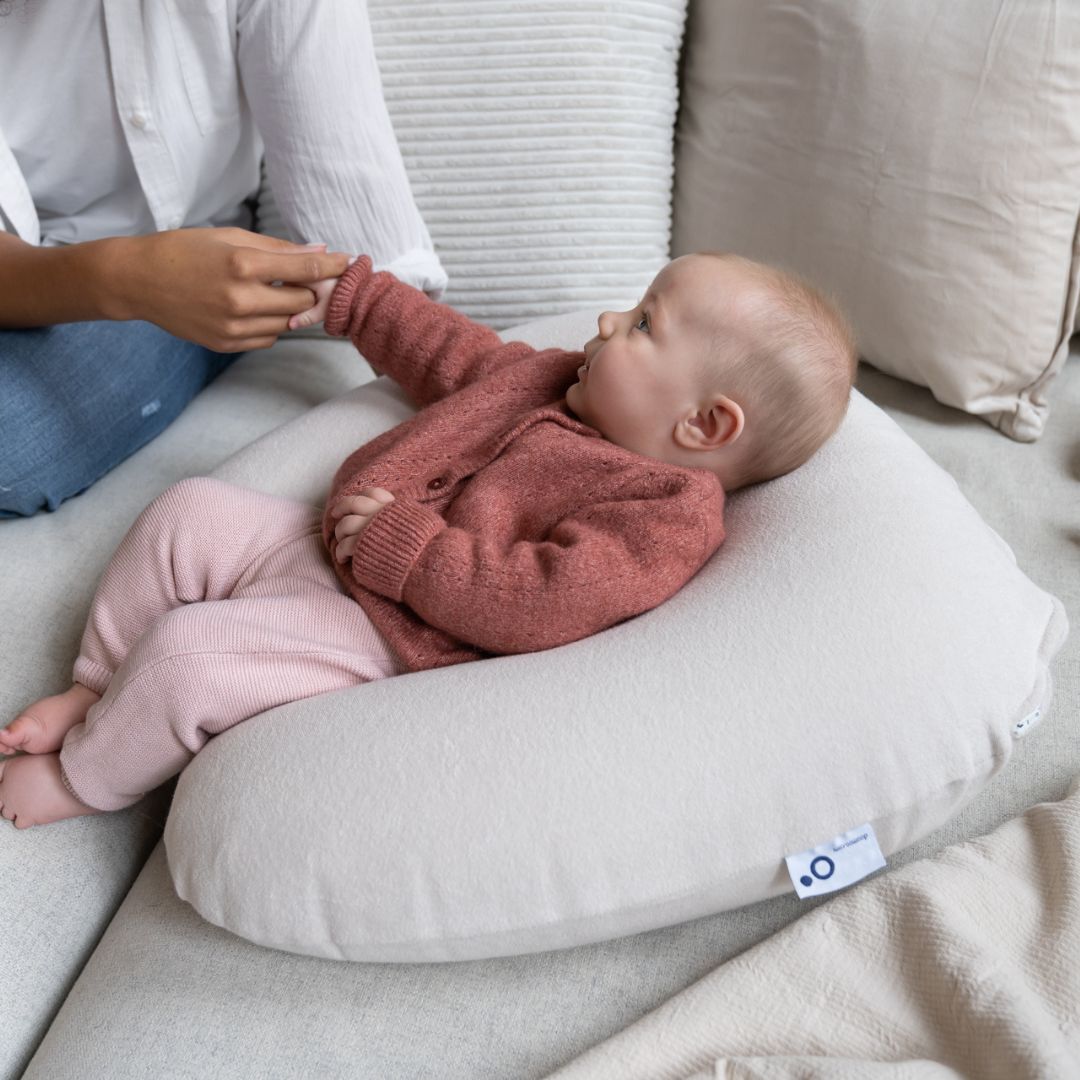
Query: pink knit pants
column 219, row 604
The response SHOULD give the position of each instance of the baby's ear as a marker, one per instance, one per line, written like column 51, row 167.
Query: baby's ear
column 715, row 425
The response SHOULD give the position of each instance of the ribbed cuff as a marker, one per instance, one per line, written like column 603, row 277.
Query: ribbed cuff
column 391, row 544
column 92, row 675
column 70, row 790
column 339, row 311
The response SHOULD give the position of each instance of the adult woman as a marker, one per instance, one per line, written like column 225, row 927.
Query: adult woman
column 131, row 135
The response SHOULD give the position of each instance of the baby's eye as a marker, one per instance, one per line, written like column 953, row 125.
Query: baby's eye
column 643, row 324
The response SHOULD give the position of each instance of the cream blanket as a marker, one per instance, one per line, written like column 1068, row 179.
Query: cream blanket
column 963, row 965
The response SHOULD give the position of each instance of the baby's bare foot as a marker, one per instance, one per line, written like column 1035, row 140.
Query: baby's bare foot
column 40, row 728
column 33, row 793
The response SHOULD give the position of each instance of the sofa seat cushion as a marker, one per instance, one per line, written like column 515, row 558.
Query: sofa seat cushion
column 862, row 649
column 51, row 565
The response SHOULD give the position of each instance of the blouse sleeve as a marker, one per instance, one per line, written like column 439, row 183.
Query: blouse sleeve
column 333, row 162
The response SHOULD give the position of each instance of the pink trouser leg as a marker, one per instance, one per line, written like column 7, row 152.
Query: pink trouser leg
column 194, row 542
column 283, row 631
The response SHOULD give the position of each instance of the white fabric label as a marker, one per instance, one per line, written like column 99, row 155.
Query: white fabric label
column 1022, row 727
column 837, row 863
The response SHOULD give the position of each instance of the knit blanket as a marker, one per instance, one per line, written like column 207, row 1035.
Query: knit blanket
column 966, row 964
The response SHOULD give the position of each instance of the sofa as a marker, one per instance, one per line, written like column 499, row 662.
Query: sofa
column 106, row 972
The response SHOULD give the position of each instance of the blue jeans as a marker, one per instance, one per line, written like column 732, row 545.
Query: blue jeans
column 77, row 399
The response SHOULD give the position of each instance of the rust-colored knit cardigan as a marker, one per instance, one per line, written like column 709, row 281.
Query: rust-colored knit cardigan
column 515, row 527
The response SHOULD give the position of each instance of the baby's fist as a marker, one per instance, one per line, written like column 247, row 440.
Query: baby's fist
column 354, row 514
column 323, row 290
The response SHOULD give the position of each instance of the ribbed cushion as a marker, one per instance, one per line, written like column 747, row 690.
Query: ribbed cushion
column 538, row 141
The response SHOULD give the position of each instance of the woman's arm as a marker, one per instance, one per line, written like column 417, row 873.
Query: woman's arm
column 212, row 286
column 310, row 75
column 43, row 286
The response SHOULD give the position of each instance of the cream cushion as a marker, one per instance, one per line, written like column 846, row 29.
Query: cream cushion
column 862, row 648
column 921, row 161
column 538, row 138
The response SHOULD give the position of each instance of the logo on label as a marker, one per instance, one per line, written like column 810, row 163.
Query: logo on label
column 822, row 868
column 838, row 862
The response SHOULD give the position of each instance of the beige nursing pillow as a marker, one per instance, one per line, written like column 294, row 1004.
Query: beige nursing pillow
column 862, row 649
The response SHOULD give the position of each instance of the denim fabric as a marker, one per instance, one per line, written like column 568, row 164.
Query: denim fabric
column 77, row 399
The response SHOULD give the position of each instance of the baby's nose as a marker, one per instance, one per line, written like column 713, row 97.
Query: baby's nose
column 606, row 324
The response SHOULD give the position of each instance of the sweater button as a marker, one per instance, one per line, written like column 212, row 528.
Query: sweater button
column 438, row 482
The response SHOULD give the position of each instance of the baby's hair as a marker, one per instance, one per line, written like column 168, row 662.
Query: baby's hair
column 793, row 373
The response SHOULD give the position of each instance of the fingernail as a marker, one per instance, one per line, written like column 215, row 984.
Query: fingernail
column 318, row 245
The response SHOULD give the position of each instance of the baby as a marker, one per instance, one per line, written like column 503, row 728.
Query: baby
column 536, row 498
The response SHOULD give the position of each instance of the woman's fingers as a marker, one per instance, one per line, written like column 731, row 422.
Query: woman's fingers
column 239, row 345
column 255, row 332
column 275, row 300
column 254, row 264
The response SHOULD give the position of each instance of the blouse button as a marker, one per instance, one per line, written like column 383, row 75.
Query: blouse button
column 438, row 482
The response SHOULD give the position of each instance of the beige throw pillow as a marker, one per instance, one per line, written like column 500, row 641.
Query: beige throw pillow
column 920, row 160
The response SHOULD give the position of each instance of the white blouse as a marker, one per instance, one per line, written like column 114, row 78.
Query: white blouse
column 121, row 117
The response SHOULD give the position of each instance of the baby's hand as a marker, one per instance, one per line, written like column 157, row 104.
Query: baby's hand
column 323, row 290
column 354, row 514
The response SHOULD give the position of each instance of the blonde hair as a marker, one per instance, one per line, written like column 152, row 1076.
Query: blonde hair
column 792, row 375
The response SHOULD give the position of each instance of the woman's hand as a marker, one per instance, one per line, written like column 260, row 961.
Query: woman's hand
column 354, row 514
column 216, row 286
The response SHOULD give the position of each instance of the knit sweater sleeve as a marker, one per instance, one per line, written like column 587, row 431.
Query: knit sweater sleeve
column 430, row 349
column 597, row 567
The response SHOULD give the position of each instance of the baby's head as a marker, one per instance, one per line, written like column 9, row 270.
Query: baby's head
column 726, row 364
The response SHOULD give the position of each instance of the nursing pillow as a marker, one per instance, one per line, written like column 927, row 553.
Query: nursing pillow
column 862, row 650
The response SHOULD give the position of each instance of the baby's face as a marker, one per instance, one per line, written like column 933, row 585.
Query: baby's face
column 642, row 371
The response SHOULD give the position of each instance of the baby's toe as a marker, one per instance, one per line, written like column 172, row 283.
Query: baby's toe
column 14, row 736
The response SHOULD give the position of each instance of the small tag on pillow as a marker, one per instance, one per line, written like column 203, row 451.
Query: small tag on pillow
column 1022, row 727
column 837, row 863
